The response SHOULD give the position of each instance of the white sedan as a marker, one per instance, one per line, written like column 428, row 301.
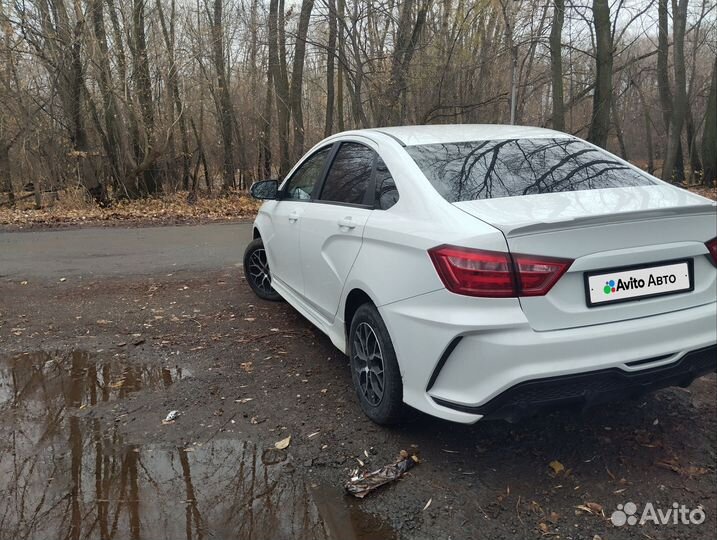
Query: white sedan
column 474, row 271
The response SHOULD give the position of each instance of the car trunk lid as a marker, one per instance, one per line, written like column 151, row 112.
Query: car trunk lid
column 606, row 230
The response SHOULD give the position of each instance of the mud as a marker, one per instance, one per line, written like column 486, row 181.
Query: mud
column 84, row 453
column 68, row 476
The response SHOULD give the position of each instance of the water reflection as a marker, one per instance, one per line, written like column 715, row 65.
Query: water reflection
column 71, row 478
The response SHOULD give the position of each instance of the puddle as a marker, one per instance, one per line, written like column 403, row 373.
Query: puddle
column 68, row 477
column 78, row 378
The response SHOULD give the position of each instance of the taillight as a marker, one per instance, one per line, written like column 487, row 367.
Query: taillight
column 474, row 272
column 537, row 275
column 495, row 274
column 712, row 248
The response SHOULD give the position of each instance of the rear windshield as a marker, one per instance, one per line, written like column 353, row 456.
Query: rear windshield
column 468, row 171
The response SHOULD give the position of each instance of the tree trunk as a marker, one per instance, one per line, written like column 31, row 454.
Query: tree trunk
column 618, row 131
column 330, row 62
column 406, row 43
column 709, row 137
column 679, row 102
column 602, row 98
column 225, row 111
column 556, row 65
column 5, row 178
column 663, row 86
column 692, row 152
column 109, row 105
column 281, row 85
column 147, row 170
column 173, row 83
column 342, row 60
column 297, row 78
column 266, row 126
column 648, row 129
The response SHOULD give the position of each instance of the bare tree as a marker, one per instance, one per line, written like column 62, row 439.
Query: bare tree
column 709, row 138
column 222, row 97
column 679, row 102
column 173, row 83
column 330, row 63
column 556, row 64
column 113, row 96
column 602, row 97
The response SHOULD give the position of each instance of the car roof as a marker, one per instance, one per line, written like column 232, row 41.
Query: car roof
column 443, row 133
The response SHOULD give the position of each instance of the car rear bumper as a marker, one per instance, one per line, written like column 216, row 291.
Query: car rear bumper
column 464, row 358
column 591, row 388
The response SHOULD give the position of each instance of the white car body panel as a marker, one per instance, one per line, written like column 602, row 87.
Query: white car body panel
column 281, row 222
column 495, row 343
column 331, row 238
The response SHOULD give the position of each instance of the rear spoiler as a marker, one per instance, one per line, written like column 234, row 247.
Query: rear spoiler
column 526, row 229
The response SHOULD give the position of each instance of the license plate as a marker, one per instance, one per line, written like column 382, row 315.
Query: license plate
column 637, row 282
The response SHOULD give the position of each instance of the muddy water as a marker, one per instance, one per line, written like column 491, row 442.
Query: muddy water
column 68, row 477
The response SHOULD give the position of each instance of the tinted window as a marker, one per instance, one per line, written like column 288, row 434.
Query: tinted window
column 513, row 167
column 302, row 182
column 350, row 175
column 386, row 191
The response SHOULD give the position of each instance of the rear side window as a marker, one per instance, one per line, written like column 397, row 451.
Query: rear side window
column 302, row 182
column 508, row 168
column 350, row 175
column 386, row 191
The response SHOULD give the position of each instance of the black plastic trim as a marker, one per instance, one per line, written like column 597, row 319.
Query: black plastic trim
column 442, row 361
column 590, row 388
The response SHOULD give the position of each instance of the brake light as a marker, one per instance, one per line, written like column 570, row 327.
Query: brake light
column 712, row 248
column 496, row 274
column 537, row 275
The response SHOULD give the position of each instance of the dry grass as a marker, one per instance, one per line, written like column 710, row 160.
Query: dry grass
column 74, row 208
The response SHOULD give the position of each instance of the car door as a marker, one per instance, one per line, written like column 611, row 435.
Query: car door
column 332, row 229
column 283, row 249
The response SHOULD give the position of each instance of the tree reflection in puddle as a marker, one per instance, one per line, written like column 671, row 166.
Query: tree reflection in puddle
column 67, row 477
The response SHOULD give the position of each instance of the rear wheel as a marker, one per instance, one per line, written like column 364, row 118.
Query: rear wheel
column 256, row 271
column 374, row 368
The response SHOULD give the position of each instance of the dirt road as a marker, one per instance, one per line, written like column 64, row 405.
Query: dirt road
column 90, row 366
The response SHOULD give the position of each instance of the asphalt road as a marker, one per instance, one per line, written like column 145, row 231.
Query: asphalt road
column 97, row 252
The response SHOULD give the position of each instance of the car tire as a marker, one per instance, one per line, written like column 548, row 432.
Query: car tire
column 256, row 271
column 374, row 367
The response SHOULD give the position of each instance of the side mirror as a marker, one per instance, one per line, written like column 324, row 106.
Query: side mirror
column 265, row 189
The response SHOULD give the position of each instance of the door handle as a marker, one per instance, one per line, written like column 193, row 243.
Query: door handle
column 293, row 217
column 347, row 223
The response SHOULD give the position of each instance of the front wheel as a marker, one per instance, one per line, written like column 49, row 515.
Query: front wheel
column 256, row 271
column 374, row 368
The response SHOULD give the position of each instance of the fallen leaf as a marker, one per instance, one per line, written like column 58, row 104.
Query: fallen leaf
column 557, row 467
column 695, row 471
column 283, row 443
column 591, row 508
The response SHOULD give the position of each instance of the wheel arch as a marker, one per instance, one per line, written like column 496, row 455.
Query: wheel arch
column 354, row 299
